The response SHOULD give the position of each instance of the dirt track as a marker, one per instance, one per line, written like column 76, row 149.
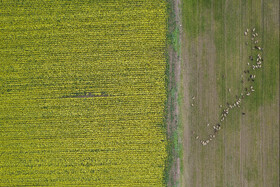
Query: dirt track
column 173, row 107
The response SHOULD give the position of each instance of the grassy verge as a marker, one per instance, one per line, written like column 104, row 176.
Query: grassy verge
column 174, row 131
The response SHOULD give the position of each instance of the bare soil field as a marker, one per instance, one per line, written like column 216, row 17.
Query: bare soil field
column 245, row 152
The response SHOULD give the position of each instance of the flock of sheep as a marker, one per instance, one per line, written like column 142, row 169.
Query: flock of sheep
column 255, row 63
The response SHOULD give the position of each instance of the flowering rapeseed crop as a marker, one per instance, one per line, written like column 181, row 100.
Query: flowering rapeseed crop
column 82, row 92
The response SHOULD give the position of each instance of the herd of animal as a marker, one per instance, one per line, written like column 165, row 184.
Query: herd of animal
column 255, row 62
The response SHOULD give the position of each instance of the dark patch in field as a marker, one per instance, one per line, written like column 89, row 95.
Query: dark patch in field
column 86, row 94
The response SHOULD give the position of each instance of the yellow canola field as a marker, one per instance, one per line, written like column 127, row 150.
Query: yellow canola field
column 82, row 92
